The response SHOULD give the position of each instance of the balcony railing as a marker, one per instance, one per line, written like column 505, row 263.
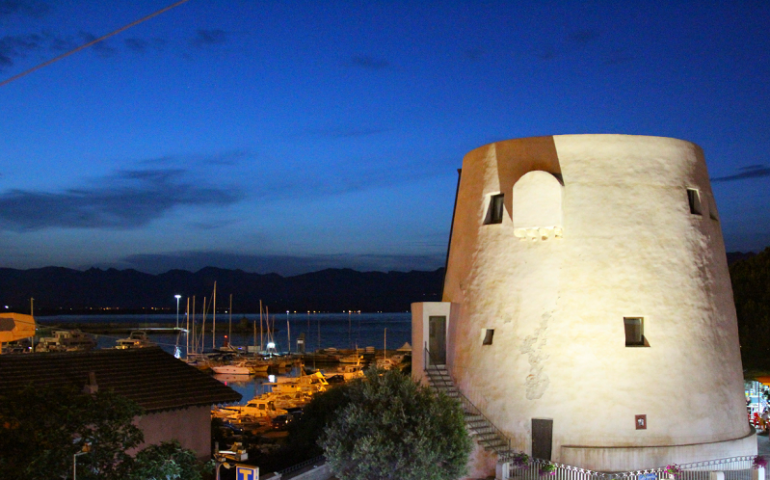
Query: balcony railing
column 736, row 468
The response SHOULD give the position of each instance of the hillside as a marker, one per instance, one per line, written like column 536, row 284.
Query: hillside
column 59, row 290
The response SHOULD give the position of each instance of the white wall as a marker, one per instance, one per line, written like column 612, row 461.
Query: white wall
column 629, row 247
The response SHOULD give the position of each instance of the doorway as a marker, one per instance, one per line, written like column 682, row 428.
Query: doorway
column 437, row 340
column 542, row 438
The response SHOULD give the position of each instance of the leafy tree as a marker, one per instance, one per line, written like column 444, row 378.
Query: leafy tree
column 317, row 415
column 393, row 428
column 41, row 428
column 167, row 461
column 751, row 290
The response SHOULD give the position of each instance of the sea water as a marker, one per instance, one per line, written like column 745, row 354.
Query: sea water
column 320, row 330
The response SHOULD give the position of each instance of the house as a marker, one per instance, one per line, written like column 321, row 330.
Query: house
column 176, row 397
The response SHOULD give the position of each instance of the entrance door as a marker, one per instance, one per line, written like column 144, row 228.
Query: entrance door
column 437, row 340
column 542, row 436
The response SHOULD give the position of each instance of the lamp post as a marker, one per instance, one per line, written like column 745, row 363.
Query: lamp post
column 177, row 310
column 86, row 448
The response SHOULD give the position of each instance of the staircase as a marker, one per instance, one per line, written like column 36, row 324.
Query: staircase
column 480, row 428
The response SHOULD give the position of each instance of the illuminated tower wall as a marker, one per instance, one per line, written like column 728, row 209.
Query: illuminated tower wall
column 588, row 294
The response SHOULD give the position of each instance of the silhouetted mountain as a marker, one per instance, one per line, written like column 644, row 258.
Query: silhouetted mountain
column 62, row 290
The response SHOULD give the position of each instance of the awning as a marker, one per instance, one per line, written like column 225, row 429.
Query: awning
column 15, row 326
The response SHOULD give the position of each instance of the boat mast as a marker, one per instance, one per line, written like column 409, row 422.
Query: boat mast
column 194, row 338
column 187, row 330
column 214, row 329
column 230, row 328
column 385, row 345
column 203, row 327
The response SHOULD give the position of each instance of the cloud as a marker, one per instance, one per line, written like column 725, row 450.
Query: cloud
column 21, row 7
column 135, row 44
column 102, row 48
column 286, row 265
column 547, row 53
column 204, row 37
column 141, row 45
column 369, row 63
column 751, row 171
column 60, row 44
column 474, row 54
column 13, row 47
column 617, row 57
column 128, row 199
column 583, row 37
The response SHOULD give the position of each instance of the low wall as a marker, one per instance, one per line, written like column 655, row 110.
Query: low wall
column 614, row 459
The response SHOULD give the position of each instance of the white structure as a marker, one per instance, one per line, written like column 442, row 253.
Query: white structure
column 587, row 307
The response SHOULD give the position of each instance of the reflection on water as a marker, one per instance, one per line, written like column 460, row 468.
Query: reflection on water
column 248, row 386
column 251, row 386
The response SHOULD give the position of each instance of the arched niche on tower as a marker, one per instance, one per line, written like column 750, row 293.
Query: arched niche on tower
column 537, row 207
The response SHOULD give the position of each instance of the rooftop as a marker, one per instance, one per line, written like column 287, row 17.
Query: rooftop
column 149, row 376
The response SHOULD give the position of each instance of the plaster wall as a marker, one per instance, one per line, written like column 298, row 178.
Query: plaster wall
column 629, row 247
column 421, row 312
column 191, row 426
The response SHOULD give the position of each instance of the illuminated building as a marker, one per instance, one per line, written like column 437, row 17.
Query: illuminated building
column 587, row 299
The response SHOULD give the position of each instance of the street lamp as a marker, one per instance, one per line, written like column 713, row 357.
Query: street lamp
column 86, row 448
column 227, row 458
column 177, row 310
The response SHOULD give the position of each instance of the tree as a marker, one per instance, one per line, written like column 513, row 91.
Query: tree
column 305, row 432
column 167, row 461
column 41, row 428
column 751, row 290
column 393, row 428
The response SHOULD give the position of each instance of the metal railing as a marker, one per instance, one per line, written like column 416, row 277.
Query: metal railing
column 316, row 461
column 471, row 409
column 736, row 468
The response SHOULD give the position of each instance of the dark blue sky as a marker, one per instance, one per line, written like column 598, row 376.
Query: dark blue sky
column 295, row 136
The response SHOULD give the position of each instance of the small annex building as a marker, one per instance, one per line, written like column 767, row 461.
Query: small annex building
column 176, row 397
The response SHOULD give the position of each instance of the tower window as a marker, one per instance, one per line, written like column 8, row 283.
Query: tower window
column 634, row 327
column 495, row 210
column 693, row 197
column 488, row 334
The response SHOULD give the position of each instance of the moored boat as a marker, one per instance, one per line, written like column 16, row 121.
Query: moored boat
column 136, row 339
column 66, row 341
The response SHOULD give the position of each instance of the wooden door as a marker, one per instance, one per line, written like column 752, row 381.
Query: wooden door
column 437, row 340
column 542, row 438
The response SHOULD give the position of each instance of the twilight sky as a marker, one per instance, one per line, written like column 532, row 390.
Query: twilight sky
column 298, row 135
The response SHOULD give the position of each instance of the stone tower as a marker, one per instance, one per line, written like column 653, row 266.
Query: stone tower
column 587, row 305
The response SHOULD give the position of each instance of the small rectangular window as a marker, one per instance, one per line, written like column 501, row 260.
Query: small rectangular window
column 495, row 210
column 693, row 197
column 488, row 334
column 634, row 328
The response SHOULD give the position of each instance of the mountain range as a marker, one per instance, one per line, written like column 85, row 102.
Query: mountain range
column 58, row 290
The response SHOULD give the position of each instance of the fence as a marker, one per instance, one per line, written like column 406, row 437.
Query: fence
column 736, row 468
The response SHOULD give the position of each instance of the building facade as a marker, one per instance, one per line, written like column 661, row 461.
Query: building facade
column 587, row 307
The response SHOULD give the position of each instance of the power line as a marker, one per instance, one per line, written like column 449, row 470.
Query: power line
column 67, row 54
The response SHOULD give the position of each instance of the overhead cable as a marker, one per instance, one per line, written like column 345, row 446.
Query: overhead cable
column 67, row 54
